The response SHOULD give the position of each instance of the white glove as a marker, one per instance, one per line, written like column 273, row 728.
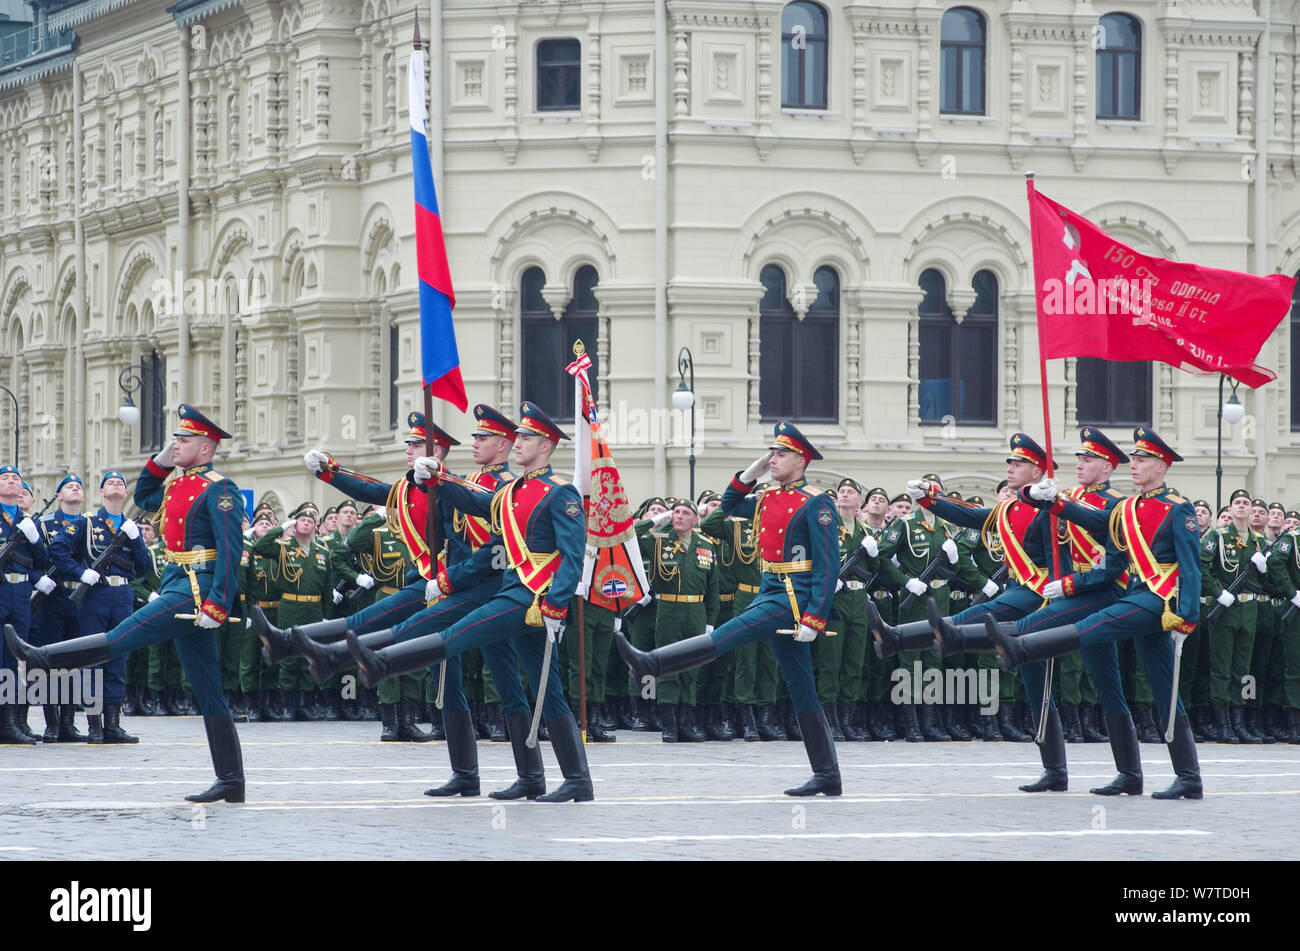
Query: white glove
column 990, row 589
column 1296, row 600
column 153, row 596
column 1260, row 562
column 90, row 576
column 288, row 524
column 662, row 517
column 365, row 581
column 130, row 529
column 1053, row 590
column 554, row 629
column 699, row 510
column 839, row 585
column 756, row 468
column 870, row 546
column 207, row 622
column 708, row 629
column 431, row 590
column 338, row 596
column 1045, row 490
column 426, row 467
column 646, row 600
column 316, row 460
column 1226, row 598
column 28, row 528
column 949, row 548
column 916, row 586
column 583, row 588
column 46, row 585
column 166, row 458
column 805, row 634
column 918, row 489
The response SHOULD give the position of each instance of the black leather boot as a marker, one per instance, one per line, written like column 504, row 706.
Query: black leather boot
column 711, row 717
column 388, row 717
column 1069, row 715
column 1224, row 728
column 130, row 700
column 668, row 716
column 885, row 722
column 407, row 731
column 596, row 732
column 931, row 728
column 1128, row 759
column 113, row 732
column 1255, row 725
column 833, row 720
column 10, row 735
column 847, row 717
column 66, row 655
column 462, row 750
column 496, row 728
column 1052, row 753
column 476, row 711
column 950, row 719
column 51, row 734
column 988, row 729
column 1015, row 649
column 626, row 716
column 227, row 761
column 1293, row 724
column 667, row 660
column 436, row 729
column 1187, row 769
column 150, row 703
column 909, row 725
column 566, row 741
column 748, row 725
column 727, row 722
column 1088, row 724
column 1146, row 728
column 888, row 641
column 821, row 755
column 403, row 658
column 768, row 728
column 531, row 780
column 952, row 639
column 1241, row 725
column 68, row 732
column 792, row 731
column 1007, row 726
column 687, row 731
column 94, row 728
column 276, row 642
column 172, row 705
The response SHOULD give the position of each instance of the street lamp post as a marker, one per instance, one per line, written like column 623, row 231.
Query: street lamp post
column 17, row 424
column 684, row 398
column 131, row 380
column 1233, row 412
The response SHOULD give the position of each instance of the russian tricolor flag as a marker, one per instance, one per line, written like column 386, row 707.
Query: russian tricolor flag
column 440, row 360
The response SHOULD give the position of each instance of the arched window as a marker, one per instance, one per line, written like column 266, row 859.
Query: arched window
column 559, row 75
column 1295, row 358
column 153, row 402
column 1113, row 392
column 548, row 343
column 798, row 360
column 961, row 62
column 1119, row 67
column 959, row 361
column 804, row 60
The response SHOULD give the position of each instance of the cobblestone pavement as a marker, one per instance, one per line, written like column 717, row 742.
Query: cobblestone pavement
column 333, row 791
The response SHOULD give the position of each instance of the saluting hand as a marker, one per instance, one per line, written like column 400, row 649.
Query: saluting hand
column 166, row 458
column 756, row 468
column 316, row 460
column 917, row 489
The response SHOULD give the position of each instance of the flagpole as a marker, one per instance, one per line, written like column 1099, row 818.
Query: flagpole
column 1047, row 448
column 584, row 482
column 431, row 521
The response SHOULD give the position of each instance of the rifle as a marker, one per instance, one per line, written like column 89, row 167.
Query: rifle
column 18, row 537
column 117, row 544
column 1238, row 583
column 939, row 567
column 999, row 578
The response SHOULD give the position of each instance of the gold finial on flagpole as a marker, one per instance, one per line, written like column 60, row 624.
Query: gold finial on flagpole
column 578, row 348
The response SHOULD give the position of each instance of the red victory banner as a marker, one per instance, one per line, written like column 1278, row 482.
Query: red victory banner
column 613, row 565
column 1097, row 297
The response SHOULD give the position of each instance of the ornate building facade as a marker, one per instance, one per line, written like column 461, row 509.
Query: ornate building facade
column 823, row 202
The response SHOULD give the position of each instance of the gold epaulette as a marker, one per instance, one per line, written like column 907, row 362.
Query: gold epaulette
column 1176, row 499
column 212, row 475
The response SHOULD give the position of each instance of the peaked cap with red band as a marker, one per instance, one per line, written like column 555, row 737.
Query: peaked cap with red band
column 786, row 436
column 1024, row 449
column 492, row 423
column 1093, row 442
column 194, row 423
column 419, row 429
column 533, row 422
column 1146, row 442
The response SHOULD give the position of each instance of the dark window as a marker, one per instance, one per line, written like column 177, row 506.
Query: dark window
column 961, row 62
column 803, row 56
column 559, row 75
column 153, row 402
column 1295, row 358
column 392, row 376
column 1113, row 392
column 548, row 343
column 959, row 362
column 799, row 359
column 1119, row 67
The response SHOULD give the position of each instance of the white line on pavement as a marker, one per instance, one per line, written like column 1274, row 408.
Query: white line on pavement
column 467, row 804
column 640, row 840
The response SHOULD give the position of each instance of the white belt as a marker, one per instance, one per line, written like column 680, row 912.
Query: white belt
column 15, row 577
column 855, row 585
column 1243, row 598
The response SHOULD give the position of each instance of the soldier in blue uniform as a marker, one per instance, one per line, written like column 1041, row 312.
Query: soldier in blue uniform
column 468, row 575
column 540, row 519
column 202, row 518
column 1156, row 532
column 56, row 618
column 798, row 542
column 28, row 555
column 110, row 599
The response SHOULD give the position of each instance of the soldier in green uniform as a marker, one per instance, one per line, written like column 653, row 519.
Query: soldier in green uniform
column 681, row 566
column 875, row 716
column 140, row 701
column 717, row 680
column 640, row 628
column 303, row 586
column 1283, row 681
column 257, row 583
column 913, row 541
column 1268, row 623
column 839, row 657
column 1224, row 555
